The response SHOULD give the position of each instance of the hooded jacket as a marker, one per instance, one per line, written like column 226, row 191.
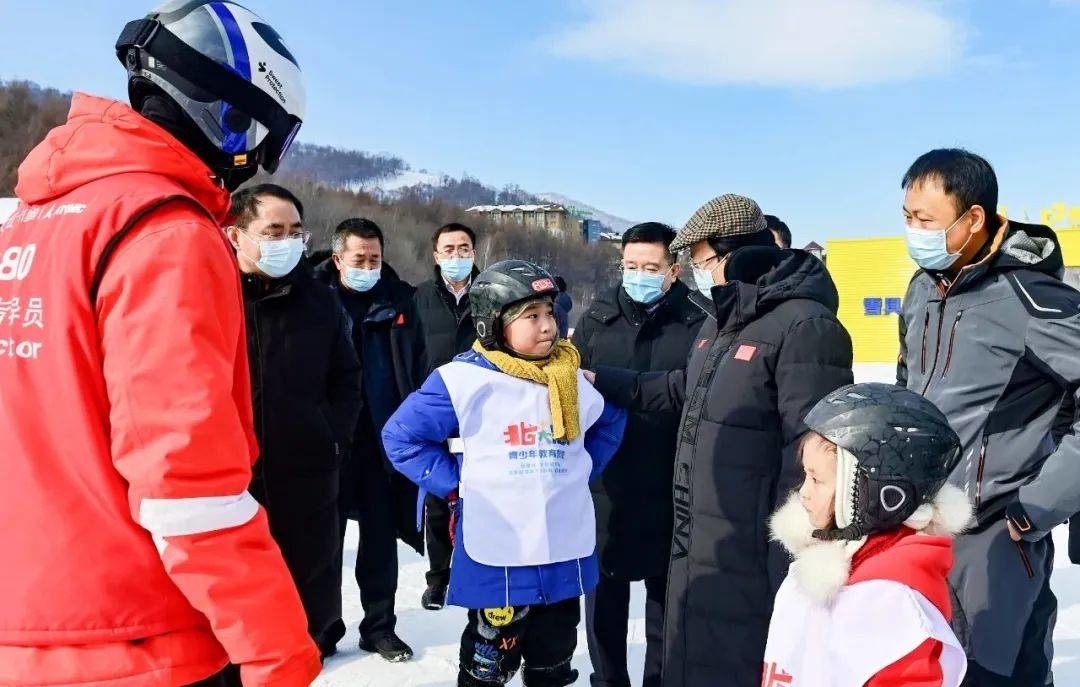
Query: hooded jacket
column 769, row 351
column 135, row 554
column 996, row 351
column 878, row 607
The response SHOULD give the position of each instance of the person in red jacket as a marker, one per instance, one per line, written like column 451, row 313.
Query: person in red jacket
column 133, row 554
column 865, row 602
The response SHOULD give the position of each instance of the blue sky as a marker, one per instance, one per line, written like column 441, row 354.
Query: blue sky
column 648, row 108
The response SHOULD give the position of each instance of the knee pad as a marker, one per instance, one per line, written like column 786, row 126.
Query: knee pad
column 484, row 668
column 554, row 676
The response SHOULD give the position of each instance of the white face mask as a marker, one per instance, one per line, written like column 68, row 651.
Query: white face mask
column 276, row 258
column 704, row 281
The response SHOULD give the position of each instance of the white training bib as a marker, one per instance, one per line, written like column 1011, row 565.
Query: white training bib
column 868, row 627
column 525, row 496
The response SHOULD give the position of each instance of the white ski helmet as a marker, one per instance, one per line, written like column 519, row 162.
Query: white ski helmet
column 226, row 68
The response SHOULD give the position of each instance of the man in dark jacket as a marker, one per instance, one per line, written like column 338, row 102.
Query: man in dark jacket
column 443, row 306
column 305, row 380
column 564, row 303
column 647, row 323
column 990, row 334
column 389, row 341
column 770, row 349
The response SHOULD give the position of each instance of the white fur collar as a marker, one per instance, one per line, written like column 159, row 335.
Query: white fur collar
column 821, row 568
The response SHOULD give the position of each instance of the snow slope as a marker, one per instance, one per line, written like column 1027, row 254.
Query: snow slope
column 434, row 635
column 388, row 186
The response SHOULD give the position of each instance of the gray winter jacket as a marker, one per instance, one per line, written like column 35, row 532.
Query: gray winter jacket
column 998, row 351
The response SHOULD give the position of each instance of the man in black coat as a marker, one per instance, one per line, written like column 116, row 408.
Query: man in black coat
column 389, row 342
column 443, row 305
column 305, row 379
column 564, row 304
column 647, row 323
column 770, row 350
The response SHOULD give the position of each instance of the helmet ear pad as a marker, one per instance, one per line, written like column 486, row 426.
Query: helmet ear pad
column 489, row 332
column 887, row 502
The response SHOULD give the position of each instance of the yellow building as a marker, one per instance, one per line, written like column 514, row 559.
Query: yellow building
column 872, row 276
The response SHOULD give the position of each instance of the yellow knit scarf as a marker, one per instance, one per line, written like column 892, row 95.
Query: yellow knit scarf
column 558, row 371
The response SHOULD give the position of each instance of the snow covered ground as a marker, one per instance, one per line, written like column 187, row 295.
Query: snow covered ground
column 434, row 635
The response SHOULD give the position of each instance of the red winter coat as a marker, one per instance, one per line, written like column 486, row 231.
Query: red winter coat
column 922, row 563
column 133, row 554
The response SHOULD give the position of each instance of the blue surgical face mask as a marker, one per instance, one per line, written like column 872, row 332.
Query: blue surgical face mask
column 359, row 279
column 456, row 269
column 276, row 258
column 929, row 248
column 643, row 287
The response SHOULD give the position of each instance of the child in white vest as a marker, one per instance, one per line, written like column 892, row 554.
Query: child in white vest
column 865, row 602
column 511, row 434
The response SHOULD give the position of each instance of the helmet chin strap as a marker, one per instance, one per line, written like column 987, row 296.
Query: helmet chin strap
column 849, row 533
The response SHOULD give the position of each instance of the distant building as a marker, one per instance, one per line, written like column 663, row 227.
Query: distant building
column 554, row 218
column 593, row 230
column 813, row 248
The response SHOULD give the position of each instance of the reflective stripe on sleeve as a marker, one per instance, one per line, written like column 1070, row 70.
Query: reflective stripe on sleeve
column 178, row 517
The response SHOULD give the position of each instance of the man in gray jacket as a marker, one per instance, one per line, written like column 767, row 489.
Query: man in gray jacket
column 991, row 335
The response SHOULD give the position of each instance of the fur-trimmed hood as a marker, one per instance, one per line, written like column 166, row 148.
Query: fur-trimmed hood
column 822, row 568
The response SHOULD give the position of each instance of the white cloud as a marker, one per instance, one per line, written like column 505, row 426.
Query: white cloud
column 815, row 43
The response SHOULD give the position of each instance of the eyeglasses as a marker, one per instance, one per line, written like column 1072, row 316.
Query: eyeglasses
column 303, row 236
column 459, row 252
column 706, row 261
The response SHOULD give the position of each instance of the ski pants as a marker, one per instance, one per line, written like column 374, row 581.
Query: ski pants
column 497, row 641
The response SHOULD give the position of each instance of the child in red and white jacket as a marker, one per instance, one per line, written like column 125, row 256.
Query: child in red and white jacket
column 865, row 602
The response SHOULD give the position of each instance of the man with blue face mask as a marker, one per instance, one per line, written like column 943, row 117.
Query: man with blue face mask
column 388, row 339
column 305, row 380
column 443, row 305
column 646, row 323
column 990, row 334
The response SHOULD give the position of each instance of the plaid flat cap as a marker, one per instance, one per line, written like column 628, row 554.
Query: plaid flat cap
column 726, row 215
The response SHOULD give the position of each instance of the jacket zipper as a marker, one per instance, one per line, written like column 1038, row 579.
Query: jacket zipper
column 937, row 345
column 952, row 338
column 1025, row 559
column 979, row 475
column 262, row 410
column 925, row 332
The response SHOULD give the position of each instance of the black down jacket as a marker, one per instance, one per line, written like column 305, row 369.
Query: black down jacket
column 448, row 324
column 305, row 380
column 389, row 340
column 772, row 349
column 634, row 516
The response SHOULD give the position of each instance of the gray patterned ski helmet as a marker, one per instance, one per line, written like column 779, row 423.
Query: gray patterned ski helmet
column 898, row 448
